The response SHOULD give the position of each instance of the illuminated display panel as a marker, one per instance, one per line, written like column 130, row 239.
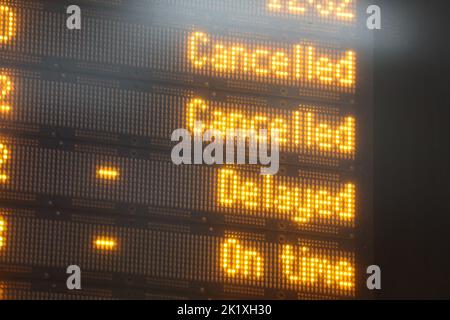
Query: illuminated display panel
column 192, row 55
column 307, row 200
column 87, row 105
column 245, row 260
column 74, row 176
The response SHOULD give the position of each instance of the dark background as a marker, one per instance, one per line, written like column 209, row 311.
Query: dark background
column 411, row 88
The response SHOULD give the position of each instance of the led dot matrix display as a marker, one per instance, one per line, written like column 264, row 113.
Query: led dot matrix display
column 303, row 266
column 313, row 202
column 153, row 114
column 190, row 53
column 102, row 101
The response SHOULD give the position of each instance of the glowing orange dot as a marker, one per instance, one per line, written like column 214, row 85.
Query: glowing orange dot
column 104, row 243
column 107, row 173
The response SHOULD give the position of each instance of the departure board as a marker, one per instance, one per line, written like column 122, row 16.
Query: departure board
column 86, row 174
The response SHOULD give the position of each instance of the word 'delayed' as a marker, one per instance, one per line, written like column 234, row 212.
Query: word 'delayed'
column 297, row 200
